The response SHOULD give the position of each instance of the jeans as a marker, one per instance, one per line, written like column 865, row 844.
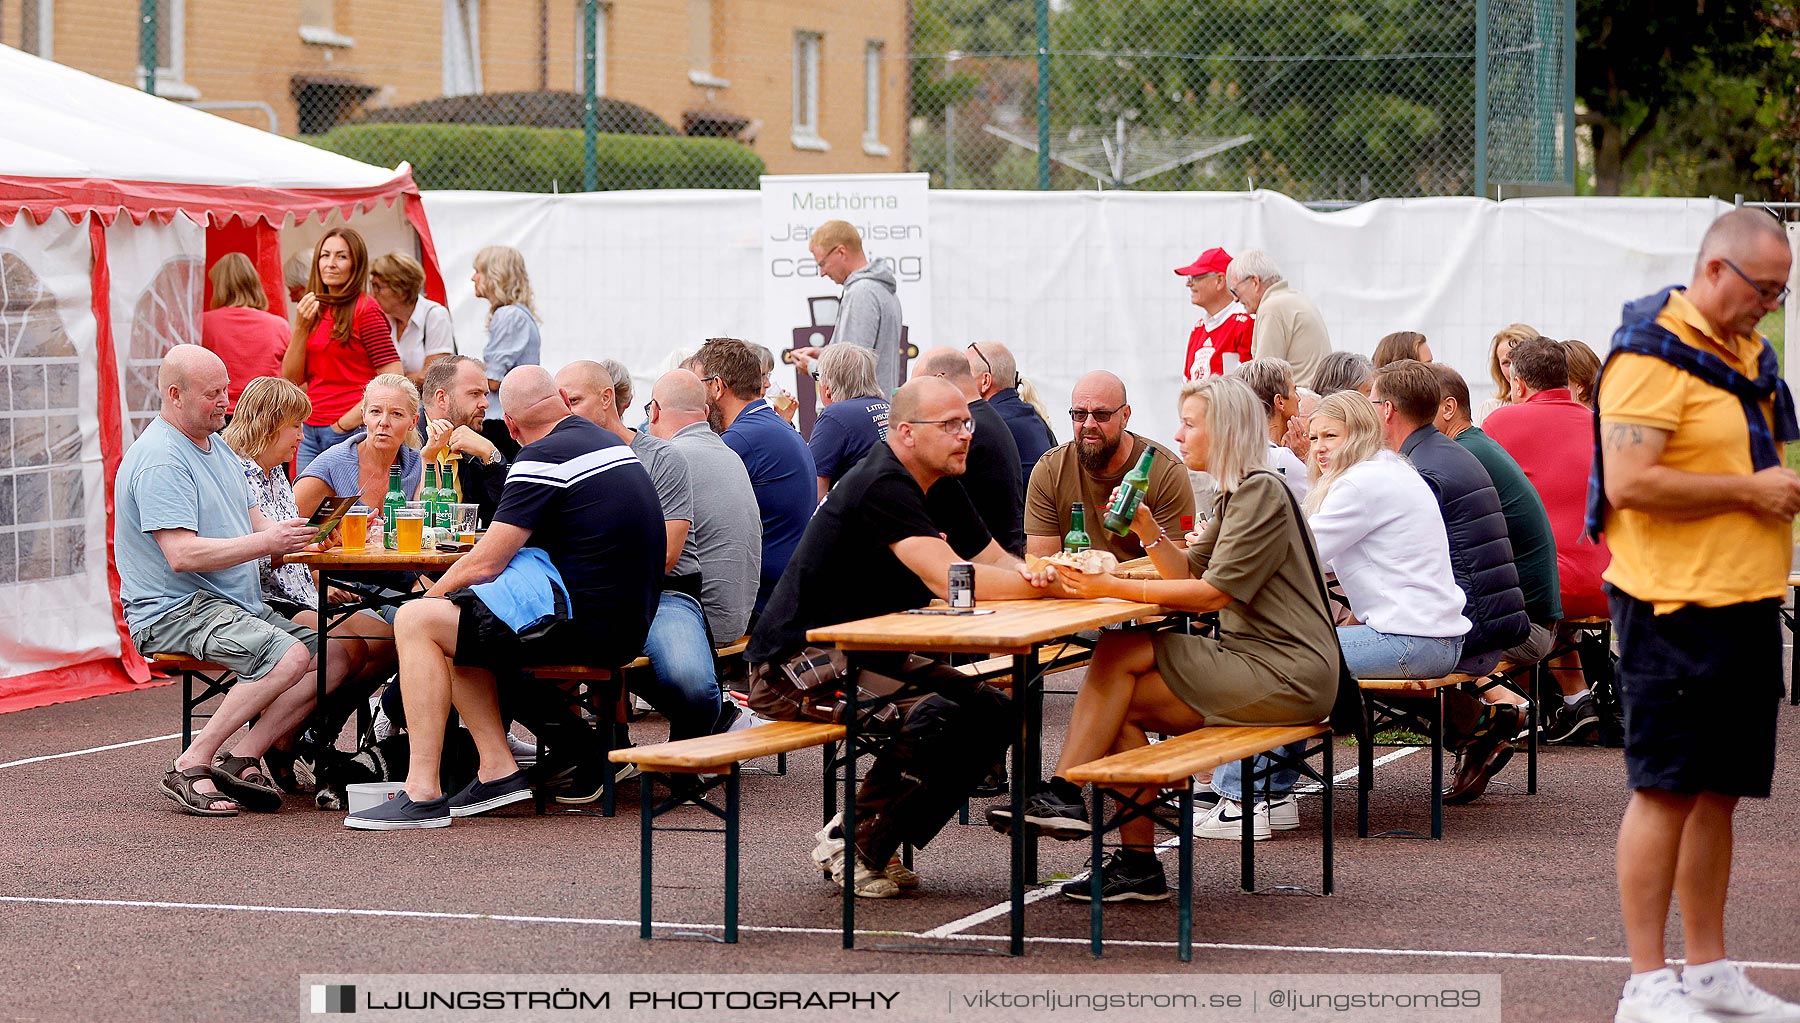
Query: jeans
column 1369, row 654
column 314, row 439
column 681, row 658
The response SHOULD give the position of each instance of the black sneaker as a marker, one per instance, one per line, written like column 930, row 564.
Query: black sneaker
column 1046, row 813
column 993, row 785
column 1124, row 879
column 1574, row 726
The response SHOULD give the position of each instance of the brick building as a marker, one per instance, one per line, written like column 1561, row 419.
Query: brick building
column 813, row 88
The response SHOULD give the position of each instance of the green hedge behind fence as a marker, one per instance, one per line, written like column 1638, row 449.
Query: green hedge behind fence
column 506, row 159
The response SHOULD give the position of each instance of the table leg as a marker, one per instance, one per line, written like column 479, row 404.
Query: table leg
column 324, row 631
column 1028, row 706
column 1793, row 653
column 850, row 737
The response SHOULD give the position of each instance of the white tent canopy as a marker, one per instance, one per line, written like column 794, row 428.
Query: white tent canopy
column 126, row 200
column 64, row 123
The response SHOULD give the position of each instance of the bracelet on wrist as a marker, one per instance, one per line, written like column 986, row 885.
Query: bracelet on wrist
column 1160, row 537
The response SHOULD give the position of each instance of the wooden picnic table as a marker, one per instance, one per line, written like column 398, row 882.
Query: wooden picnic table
column 339, row 562
column 1017, row 627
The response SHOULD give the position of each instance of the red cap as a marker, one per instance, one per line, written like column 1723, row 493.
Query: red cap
column 1212, row 261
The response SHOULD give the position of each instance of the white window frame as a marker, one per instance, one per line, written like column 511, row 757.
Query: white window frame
column 462, row 27
column 322, row 30
column 603, row 30
column 808, row 58
column 871, row 142
column 171, row 81
column 46, row 21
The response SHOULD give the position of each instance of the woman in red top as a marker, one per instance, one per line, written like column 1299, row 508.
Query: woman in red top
column 341, row 341
column 239, row 329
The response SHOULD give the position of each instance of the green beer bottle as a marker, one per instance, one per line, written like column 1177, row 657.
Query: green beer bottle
column 428, row 493
column 1076, row 539
column 395, row 500
column 1131, row 494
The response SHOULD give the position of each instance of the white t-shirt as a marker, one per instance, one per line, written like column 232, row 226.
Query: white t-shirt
column 1380, row 530
column 1292, row 470
column 427, row 332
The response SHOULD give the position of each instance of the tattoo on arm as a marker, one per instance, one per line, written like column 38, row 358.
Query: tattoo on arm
column 1619, row 436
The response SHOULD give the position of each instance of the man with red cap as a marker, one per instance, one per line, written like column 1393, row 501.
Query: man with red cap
column 1221, row 340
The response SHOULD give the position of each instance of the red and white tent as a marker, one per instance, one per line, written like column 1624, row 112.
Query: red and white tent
column 112, row 205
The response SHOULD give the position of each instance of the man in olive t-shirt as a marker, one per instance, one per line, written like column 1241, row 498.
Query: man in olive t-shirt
column 1088, row 468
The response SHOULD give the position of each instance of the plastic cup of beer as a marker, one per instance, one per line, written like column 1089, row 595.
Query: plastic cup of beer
column 409, row 530
column 353, row 529
column 468, row 520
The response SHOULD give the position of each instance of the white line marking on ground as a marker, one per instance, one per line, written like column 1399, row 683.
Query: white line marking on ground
column 84, row 752
column 1223, row 946
column 956, row 927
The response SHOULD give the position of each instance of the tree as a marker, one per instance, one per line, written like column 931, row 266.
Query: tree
column 1637, row 59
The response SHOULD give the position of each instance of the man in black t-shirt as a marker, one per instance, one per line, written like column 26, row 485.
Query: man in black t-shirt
column 993, row 481
column 580, row 495
column 883, row 541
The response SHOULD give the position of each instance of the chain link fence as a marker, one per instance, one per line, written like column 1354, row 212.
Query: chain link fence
column 1329, row 101
column 1325, row 101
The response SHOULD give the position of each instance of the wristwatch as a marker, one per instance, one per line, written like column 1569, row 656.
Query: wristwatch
column 495, row 458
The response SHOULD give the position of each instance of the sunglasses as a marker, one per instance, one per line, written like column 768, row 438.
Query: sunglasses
column 1098, row 415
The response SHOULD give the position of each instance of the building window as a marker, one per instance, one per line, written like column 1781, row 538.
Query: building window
column 318, row 24
column 37, row 18
column 462, row 47
column 806, row 91
column 601, row 17
column 171, row 51
column 872, row 99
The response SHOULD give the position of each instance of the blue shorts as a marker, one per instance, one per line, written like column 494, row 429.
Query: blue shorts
column 1701, row 688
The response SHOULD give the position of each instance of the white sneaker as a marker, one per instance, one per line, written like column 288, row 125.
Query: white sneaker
column 1658, row 998
column 383, row 728
column 1226, row 822
column 1722, row 990
column 1284, row 813
column 524, row 753
column 746, row 720
column 828, row 853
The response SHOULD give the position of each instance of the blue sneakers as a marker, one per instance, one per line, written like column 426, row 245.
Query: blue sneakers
column 482, row 796
column 401, row 814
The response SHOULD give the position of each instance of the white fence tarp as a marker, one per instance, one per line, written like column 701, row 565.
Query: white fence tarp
column 1074, row 281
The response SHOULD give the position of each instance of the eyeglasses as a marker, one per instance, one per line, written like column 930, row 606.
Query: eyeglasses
column 709, row 379
column 1762, row 292
column 983, row 358
column 953, row 427
column 1098, row 415
column 650, row 408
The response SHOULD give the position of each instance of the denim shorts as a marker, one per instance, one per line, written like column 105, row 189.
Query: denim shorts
column 1701, row 688
column 211, row 628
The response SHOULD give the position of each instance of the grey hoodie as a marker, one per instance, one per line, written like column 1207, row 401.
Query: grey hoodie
column 869, row 315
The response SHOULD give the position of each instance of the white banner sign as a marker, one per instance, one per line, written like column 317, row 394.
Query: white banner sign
column 888, row 210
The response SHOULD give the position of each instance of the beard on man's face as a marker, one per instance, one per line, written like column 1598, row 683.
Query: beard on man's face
column 715, row 418
column 1095, row 450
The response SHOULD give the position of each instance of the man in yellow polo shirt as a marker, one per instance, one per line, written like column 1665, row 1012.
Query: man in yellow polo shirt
column 1697, row 508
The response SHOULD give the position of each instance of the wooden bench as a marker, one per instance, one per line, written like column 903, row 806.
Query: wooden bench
column 607, row 702
column 1170, row 766
column 1389, row 701
column 719, row 757
column 215, row 680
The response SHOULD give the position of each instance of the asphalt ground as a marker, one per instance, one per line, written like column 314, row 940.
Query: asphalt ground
column 115, row 907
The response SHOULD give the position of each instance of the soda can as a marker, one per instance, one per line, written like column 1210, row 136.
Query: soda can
column 962, row 584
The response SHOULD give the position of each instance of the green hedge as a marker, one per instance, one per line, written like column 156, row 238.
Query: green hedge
column 542, row 159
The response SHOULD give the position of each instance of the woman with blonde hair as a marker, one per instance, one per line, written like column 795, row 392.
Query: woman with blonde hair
column 359, row 466
column 341, row 340
column 1277, row 660
column 513, row 336
column 422, row 330
column 265, row 433
column 1500, row 367
column 238, row 327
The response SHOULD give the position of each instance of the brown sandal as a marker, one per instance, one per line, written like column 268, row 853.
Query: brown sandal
column 245, row 781
column 178, row 785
